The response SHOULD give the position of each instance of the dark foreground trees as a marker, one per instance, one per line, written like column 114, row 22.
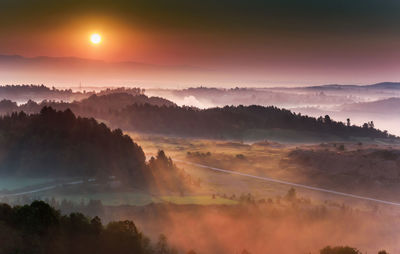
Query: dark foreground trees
column 339, row 250
column 39, row 228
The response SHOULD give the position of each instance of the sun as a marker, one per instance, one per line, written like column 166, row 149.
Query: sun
column 95, row 38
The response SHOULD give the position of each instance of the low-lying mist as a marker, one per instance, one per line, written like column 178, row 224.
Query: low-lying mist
column 360, row 104
column 277, row 226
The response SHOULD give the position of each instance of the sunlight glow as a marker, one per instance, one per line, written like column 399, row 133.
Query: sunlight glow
column 95, row 38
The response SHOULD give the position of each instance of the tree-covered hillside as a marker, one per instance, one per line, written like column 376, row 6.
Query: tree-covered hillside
column 159, row 116
column 94, row 106
column 234, row 122
column 39, row 93
column 58, row 143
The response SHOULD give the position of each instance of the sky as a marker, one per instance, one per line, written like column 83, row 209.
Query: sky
column 270, row 41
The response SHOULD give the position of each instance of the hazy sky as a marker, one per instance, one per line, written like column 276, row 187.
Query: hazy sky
column 321, row 41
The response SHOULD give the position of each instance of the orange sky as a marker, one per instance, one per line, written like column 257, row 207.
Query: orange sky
column 275, row 41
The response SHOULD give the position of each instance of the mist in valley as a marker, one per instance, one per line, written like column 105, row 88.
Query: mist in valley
column 359, row 103
column 199, row 127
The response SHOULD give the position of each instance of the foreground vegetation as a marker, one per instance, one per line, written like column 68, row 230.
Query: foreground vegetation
column 39, row 228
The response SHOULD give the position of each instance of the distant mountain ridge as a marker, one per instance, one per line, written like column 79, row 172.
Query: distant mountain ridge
column 386, row 85
column 381, row 85
column 85, row 62
column 387, row 106
column 71, row 71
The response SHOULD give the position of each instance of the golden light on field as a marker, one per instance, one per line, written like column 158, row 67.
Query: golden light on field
column 95, row 38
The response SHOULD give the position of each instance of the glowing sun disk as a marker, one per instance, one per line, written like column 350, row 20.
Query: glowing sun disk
column 95, row 38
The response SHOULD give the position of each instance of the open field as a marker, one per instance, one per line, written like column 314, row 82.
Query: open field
column 223, row 206
column 363, row 169
column 139, row 199
column 265, row 159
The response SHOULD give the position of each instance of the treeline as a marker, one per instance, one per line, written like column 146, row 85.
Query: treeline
column 128, row 90
column 39, row 93
column 98, row 106
column 231, row 122
column 156, row 115
column 38, row 228
column 57, row 143
column 160, row 116
column 344, row 250
column 260, row 96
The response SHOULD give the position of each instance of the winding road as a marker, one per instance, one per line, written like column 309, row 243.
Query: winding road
column 262, row 178
column 41, row 189
column 268, row 179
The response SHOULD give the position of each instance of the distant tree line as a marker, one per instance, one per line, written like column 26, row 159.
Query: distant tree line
column 39, row 92
column 96, row 105
column 127, row 90
column 344, row 250
column 157, row 115
column 231, row 122
column 34, row 97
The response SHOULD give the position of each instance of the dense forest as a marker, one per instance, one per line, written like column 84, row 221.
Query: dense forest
column 130, row 109
column 232, row 122
column 38, row 228
column 59, row 144
column 160, row 116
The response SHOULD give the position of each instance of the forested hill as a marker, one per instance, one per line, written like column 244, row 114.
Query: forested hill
column 39, row 93
column 159, row 116
column 94, row 106
column 241, row 122
column 115, row 101
column 57, row 143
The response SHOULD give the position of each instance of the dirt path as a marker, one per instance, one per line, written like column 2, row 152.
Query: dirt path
column 42, row 189
column 268, row 179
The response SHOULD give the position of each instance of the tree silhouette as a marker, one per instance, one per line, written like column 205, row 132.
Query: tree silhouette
column 339, row 250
